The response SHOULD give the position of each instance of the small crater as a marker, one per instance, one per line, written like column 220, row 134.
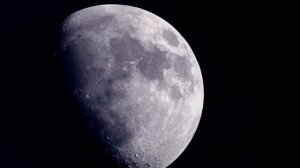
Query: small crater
column 88, row 96
column 170, row 37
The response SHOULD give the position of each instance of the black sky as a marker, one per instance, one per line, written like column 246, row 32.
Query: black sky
column 247, row 51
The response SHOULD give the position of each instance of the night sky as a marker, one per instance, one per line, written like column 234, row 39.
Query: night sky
column 247, row 52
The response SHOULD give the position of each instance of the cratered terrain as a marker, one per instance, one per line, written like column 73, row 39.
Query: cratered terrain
column 137, row 82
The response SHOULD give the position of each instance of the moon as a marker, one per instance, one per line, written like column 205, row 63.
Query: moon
column 136, row 80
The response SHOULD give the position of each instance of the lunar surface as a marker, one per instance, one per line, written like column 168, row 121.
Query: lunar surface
column 137, row 82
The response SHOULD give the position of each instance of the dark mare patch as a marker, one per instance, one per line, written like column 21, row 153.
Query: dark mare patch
column 182, row 66
column 170, row 37
column 151, row 63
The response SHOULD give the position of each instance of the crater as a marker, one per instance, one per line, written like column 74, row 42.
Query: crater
column 170, row 37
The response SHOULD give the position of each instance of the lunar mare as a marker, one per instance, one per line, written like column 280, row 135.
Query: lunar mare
column 137, row 81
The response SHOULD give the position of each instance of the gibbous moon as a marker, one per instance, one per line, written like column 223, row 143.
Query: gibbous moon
column 136, row 80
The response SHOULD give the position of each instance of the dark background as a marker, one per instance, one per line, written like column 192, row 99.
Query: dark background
column 247, row 51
